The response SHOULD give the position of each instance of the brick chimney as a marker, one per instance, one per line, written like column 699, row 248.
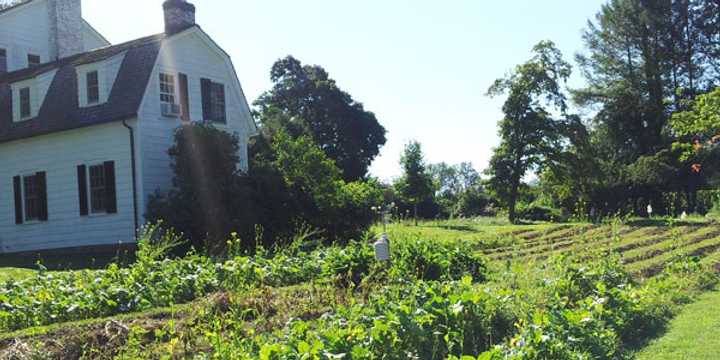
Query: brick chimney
column 65, row 20
column 179, row 15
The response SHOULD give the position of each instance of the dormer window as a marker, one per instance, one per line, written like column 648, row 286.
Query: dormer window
column 95, row 81
column 93, row 87
column 33, row 60
column 28, row 96
column 3, row 61
column 25, row 105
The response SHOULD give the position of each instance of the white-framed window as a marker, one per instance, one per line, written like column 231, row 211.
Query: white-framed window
column 97, row 189
column 25, row 103
column 92, row 86
column 167, row 88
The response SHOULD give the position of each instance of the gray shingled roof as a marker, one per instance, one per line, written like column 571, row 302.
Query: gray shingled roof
column 60, row 110
column 16, row 5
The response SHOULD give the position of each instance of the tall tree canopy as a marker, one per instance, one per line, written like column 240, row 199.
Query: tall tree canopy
column 529, row 134
column 643, row 59
column 699, row 134
column 415, row 187
column 304, row 100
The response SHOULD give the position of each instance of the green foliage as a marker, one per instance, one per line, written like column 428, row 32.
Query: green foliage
column 529, row 135
column 305, row 101
column 415, row 188
column 211, row 197
column 306, row 169
column 339, row 209
column 597, row 313
column 579, row 310
column 699, row 127
column 644, row 62
column 153, row 281
column 459, row 190
column 534, row 212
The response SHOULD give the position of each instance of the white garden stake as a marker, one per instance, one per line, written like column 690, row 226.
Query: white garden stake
column 382, row 246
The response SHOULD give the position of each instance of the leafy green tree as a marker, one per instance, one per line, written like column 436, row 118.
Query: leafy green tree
column 453, row 182
column 209, row 199
column 529, row 134
column 299, row 186
column 699, row 127
column 644, row 60
column 341, row 210
column 305, row 101
column 698, row 131
column 415, row 187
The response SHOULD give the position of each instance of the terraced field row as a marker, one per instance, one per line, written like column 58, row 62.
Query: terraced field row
column 644, row 249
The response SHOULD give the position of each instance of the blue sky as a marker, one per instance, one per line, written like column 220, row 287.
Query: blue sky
column 422, row 66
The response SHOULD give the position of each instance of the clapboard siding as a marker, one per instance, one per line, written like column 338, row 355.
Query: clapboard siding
column 92, row 39
column 26, row 30
column 188, row 54
column 58, row 155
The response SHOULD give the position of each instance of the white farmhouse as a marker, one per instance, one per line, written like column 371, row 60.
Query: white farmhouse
column 85, row 126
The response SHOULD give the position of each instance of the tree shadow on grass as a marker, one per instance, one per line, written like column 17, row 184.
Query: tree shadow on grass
column 464, row 228
column 641, row 341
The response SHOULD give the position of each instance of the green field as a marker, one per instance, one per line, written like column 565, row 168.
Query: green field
column 15, row 274
column 492, row 284
column 693, row 335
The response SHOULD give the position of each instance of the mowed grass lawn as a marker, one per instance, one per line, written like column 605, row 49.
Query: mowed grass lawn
column 693, row 334
column 14, row 274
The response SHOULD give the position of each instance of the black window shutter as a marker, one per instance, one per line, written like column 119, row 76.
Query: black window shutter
column 110, row 196
column 42, row 186
column 206, row 88
column 184, row 97
column 18, row 200
column 82, row 189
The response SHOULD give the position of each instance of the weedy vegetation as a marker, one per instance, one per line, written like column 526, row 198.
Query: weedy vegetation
column 454, row 290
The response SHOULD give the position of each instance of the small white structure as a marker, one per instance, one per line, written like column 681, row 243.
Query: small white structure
column 382, row 248
column 85, row 126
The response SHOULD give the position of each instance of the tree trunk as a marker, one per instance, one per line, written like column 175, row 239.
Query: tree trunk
column 415, row 212
column 513, row 199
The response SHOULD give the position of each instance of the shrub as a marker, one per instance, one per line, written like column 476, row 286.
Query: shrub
column 534, row 212
column 213, row 198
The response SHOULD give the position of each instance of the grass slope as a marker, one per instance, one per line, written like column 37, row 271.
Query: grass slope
column 694, row 334
column 14, row 274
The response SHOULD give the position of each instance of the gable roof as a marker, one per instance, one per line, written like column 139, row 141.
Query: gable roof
column 60, row 110
column 15, row 6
